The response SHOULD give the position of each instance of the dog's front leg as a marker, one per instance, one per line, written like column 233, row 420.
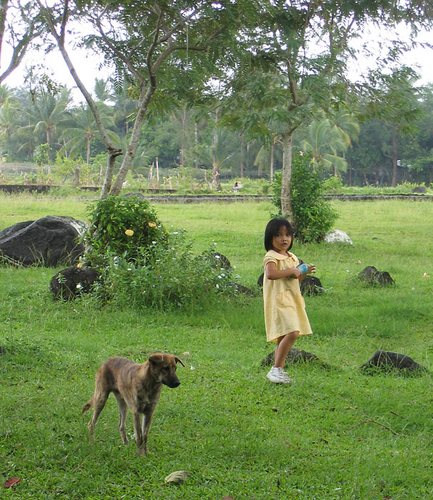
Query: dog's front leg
column 138, row 432
column 147, row 420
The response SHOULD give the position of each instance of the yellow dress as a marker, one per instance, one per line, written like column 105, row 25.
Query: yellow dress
column 284, row 305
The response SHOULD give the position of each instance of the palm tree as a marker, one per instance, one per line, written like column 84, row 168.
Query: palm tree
column 328, row 138
column 48, row 114
column 79, row 137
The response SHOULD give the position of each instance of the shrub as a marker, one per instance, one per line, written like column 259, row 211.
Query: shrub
column 142, row 265
column 123, row 227
column 313, row 216
column 166, row 276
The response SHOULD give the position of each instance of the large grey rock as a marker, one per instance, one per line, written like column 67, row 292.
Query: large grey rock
column 48, row 241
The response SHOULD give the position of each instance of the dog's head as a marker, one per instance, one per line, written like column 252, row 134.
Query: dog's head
column 163, row 368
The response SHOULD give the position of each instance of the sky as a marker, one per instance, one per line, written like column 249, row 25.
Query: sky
column 88, row 70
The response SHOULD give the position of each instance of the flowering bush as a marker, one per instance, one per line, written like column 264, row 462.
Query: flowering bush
column 122, row 227
column 142, row 265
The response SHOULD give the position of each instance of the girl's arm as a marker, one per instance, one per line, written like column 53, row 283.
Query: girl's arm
column 273, row 273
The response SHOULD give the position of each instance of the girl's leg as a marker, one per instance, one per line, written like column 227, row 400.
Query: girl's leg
column 284, row 345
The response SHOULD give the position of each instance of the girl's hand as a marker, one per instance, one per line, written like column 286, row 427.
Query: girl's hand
column 295, row 273
column 311, row 269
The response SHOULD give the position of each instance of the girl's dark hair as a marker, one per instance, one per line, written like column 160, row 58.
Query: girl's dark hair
column 273, row 228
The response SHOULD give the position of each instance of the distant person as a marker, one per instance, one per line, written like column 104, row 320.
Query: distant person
column 237, row 186
column 284, row 307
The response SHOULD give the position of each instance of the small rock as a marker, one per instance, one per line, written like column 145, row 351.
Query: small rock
column 177, row 477
column 72, row 282
column 294, row 356
column 311, row 285
column 373, row 276
column 337, row 236
column 387, row 361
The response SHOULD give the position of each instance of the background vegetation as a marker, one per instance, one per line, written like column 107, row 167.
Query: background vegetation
column 175, row 149
column 334, row 434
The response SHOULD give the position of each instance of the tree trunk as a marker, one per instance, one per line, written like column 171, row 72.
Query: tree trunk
column 394, row 153
column 108, row 179
column 195, row 143
column 183, row 141
column 286, row 177
column 271, row 162
column 243, row 156
column 88, row 151
column 216, row 182
column 77, row 174
column 146, row 96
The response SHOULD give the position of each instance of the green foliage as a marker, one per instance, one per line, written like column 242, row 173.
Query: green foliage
column 166, row 276
column 142, row 265
column 41, row 154
column 123, row 227
column 313, row 216
column 332, row 184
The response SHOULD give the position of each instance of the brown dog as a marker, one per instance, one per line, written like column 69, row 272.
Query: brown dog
column 137, row 387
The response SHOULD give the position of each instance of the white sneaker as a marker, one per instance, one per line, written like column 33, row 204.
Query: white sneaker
column 278, row 376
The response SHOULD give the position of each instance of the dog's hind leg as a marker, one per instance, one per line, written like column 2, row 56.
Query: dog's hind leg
column 99, row 400
column 123, row 410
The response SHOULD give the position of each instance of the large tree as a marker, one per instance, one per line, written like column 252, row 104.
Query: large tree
column 20, row 25
column 395, row 101
column 163, row 50
column 304, row 47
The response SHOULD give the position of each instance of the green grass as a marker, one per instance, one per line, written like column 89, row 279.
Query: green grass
column 334, row 434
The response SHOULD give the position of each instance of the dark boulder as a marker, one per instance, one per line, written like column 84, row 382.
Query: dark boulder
column 48, row 241
column 387, row 361
column 373, row 276
column 72, row 282
column 294, row 356
column 260, row 280
column 311, row 285
column 220, row 261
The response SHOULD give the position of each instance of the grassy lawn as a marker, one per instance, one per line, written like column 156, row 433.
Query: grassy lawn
column 334, row 434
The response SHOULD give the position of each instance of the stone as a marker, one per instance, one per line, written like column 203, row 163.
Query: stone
column 260, row 280
column 294, row 356
column 372, row 276
column 48, row 241
column 311, row 285
column 72, row 282
column 221, row 261
column 387, row 361
column 337, row 236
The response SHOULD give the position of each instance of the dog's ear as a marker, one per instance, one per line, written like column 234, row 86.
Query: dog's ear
column 178, row 360
column 156, row 359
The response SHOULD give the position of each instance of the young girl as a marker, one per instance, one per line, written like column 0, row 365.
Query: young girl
column 284, row 307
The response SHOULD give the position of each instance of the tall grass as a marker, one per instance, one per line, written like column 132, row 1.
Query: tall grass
column 334, row 434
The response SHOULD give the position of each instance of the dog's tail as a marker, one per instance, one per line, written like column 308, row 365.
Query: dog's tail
column 87, row 406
